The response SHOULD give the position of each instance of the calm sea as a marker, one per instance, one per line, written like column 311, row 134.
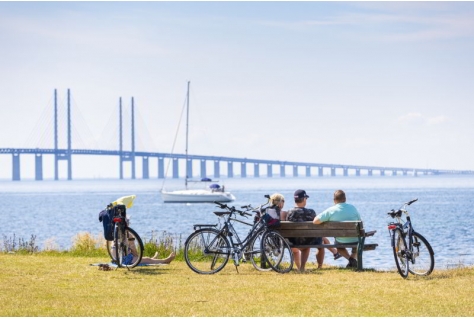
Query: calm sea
column 58, row 210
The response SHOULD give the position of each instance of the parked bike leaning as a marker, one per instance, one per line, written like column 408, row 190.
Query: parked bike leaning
column 412, row 252
column 208, row 249
column 124, row 245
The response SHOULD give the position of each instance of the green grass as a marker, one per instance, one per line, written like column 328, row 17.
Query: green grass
column 61, row 284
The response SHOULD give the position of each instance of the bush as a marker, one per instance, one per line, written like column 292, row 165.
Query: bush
column 163, row 244
column 85, row 244
column 23, row 246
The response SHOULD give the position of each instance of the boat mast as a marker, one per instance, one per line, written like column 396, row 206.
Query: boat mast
column 187, row 131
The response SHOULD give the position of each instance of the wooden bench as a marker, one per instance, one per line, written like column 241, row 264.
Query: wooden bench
column 329, row 229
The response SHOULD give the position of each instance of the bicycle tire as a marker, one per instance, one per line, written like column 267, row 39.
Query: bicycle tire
column 206, row 251
column 138, row 248
column 254, row 253
column 422, row 263
column 399, row 252
column 277, row 252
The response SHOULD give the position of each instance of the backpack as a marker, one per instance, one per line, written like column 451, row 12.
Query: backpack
column 270, row 221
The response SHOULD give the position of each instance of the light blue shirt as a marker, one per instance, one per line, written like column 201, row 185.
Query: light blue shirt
column 341, row 212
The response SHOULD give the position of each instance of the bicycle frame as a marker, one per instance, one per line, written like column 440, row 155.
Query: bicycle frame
column 407, row 233
column 238, row 246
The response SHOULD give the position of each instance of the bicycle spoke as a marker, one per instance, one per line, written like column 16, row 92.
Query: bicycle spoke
column 399, row 252
column 206, row 251
column 422, row 263
column 277, row 252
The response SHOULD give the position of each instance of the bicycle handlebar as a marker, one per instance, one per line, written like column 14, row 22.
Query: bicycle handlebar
column 399, row 212
column 232, row 209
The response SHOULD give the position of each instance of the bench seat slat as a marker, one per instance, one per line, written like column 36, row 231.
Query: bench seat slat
column 366, row 246
column 318, row 233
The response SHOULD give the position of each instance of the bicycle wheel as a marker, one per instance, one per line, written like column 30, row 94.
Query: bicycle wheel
column 277, row 252
column 135, row 247
column 399, row 252
column 254, row 253
column 206, row 251
column 422, row 262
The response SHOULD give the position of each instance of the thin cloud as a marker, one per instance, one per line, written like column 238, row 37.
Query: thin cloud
column 386, row 26
column 418, row 118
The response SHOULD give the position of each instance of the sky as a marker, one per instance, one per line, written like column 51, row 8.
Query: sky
column 357, row 83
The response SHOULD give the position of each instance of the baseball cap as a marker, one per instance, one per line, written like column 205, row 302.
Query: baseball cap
column 300, row 193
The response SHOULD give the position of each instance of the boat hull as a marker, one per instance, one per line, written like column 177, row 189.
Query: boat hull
column 196, row 196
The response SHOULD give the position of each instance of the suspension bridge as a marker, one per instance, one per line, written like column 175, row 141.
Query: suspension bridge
column 131, row 155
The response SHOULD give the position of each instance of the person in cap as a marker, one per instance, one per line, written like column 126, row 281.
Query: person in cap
column 302, row 214
column 341, row 211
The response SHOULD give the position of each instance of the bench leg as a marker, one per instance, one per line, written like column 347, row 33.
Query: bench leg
column 360, row 250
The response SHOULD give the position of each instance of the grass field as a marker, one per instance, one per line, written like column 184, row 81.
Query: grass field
column 64, row 285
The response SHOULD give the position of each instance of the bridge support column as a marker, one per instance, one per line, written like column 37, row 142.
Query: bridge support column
column 69, row 166
column 415, row 173
column 357, row 171
column 175, row 168
column 256, row 170
column 282, row 171
column 333, row 171
column 320, row 171
column 203, row 168
column 405, row 173
column 39, row 167
column 394, row 173
column 269, row 170
column 189, row 168
column 382, row 172
column 295, row 171
column 346, row 173
column 243, row 169
column 16, row 166
column 161, row 167
column 369, row 172
column 120, row 167
column 230, row 169
column 145, row 168
column 217, row 171
column 308, row 171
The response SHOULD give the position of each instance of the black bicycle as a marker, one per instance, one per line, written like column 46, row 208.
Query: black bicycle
column 208, row 249
column 412, row 252
column 126, row 248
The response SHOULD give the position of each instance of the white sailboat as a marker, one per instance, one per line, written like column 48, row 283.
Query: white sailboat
column 211, row 193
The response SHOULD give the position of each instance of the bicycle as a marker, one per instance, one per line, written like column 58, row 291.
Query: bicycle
column 208, row 249
column 126, row 247
column 412, row 252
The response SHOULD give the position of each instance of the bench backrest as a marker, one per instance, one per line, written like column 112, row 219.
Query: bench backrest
column 328, row 229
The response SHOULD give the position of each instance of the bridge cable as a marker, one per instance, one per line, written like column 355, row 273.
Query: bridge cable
column 174, row 143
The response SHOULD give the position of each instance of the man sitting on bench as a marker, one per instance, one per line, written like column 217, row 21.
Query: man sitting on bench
column 340, row 212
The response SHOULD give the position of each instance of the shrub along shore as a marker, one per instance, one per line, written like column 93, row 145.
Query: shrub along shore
column 62, row 283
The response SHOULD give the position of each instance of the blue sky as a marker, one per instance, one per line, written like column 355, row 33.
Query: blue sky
column 363, row 83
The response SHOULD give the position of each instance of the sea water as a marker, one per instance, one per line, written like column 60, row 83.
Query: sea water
column 58, row 210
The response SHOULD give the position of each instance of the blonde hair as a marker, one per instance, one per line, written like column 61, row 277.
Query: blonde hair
column 276, row 198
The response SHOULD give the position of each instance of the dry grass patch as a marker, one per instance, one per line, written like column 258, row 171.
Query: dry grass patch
column 42, row 285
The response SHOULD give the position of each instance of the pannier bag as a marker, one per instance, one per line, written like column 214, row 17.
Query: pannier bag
column 106, row 217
